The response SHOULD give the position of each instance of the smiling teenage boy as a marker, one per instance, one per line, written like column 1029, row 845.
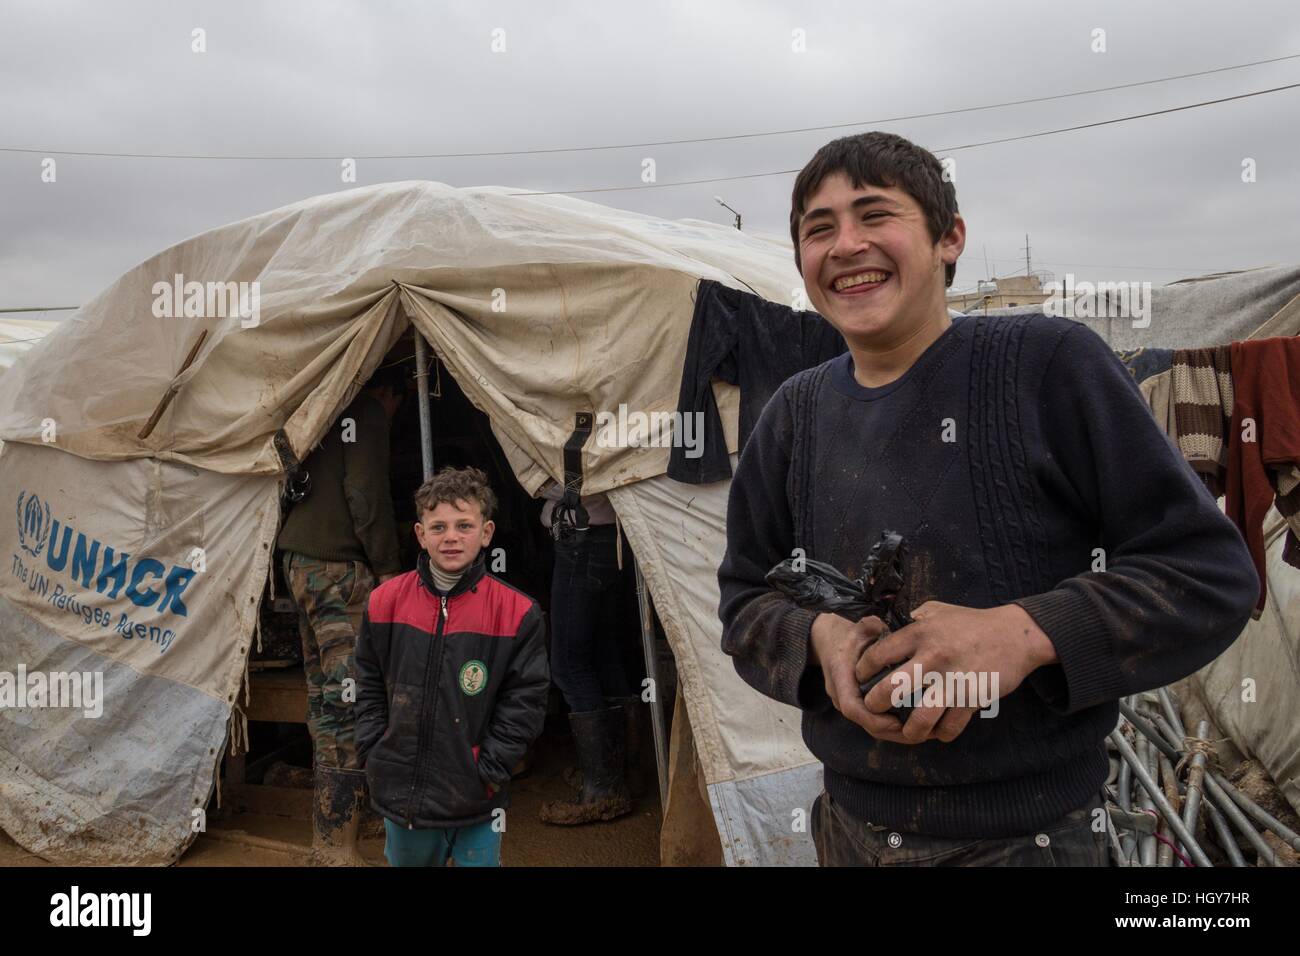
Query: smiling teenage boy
column 451, row 684
column 1057, row 543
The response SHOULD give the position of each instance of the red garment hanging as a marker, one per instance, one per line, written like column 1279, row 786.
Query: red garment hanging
column 1264, row 436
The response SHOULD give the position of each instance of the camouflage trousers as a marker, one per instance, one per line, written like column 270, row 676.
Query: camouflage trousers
column 331, row 597
column 842, row 840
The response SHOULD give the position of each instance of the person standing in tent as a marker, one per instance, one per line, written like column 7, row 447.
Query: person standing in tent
column 451, row 684
column 336, row 541
column 586, row 659
column 1060, row 550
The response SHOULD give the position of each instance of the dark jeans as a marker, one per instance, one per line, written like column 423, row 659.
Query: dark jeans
column 843, row 840
column 586, row 659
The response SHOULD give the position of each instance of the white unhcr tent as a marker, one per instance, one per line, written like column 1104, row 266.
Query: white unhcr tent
column 144, row 558
column 18, row 333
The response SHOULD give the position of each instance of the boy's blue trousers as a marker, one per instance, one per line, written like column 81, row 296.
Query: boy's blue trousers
column 478, row 845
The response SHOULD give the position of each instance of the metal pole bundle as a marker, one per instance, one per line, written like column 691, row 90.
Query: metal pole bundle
column 1164, row 735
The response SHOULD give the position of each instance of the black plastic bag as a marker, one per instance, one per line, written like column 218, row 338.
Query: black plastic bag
column 821, row 587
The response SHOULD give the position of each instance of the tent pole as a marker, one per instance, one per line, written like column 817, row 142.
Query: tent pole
column 652, row 671
column 422, row 389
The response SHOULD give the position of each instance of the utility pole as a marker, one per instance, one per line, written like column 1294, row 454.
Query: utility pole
column 1028, row 269
column 719, row 201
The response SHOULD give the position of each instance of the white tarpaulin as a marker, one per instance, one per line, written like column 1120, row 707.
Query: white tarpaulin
column 1252, row 690
column 603, row 287
column 539, row 306
column 145, row 573
column 18, row 334
column 1188, row 314
column 755, row 765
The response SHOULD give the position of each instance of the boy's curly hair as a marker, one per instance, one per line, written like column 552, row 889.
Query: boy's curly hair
column 456, row 484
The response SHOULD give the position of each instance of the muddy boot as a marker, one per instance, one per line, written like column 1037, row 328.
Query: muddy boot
column 635, row 713
column 598, row 736
column 633, row 771
column 336, row 817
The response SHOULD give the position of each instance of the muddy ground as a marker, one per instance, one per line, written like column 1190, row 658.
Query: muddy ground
column 247, row 839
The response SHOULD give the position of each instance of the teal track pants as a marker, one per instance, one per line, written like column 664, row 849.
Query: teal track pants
column 478, row 845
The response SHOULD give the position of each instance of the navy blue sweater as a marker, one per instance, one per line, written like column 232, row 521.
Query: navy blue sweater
column 1008, row 452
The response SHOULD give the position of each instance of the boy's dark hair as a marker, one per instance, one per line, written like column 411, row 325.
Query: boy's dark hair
column 880, row 159
column 452, row 485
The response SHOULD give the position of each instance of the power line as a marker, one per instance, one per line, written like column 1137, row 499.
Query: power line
column 665, row 142
column 1095, row 265
column 943, row 149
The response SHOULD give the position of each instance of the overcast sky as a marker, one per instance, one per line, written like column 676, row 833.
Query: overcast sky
column 1154, row 199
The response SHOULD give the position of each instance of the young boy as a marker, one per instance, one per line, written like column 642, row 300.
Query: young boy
column 1077, row 557
column 451, row 685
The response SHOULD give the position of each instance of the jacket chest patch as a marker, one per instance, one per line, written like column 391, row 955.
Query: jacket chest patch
column 473, row 678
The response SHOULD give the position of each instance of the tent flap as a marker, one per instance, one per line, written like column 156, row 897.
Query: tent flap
column 133, row 587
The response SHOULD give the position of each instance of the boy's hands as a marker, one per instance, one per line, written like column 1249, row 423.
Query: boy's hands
column 836, row 646
column 943, row 638
column 1003, row 641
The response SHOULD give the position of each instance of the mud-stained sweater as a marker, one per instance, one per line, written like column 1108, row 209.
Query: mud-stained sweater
column 1015, row 455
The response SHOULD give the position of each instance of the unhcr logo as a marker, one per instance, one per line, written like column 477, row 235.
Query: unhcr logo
column 208, row 300
column 95, row 564
column 33, row 524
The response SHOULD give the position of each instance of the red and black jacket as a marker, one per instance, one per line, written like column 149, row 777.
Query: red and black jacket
column 451, row 690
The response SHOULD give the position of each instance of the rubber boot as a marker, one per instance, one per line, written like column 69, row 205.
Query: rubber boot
column 336, row 817
column 634, row 713
column 634, row 774
column 598, row 737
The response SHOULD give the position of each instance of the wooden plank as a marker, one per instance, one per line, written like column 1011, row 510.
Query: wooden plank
column 272, row 801
column 279, row 695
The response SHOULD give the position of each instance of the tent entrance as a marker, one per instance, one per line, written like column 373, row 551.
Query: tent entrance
column 521, row 552
column 272, row 779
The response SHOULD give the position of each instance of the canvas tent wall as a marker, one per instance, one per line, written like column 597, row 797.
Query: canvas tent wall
column 1190, row 313
column 18, row 333
column 539, row 306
